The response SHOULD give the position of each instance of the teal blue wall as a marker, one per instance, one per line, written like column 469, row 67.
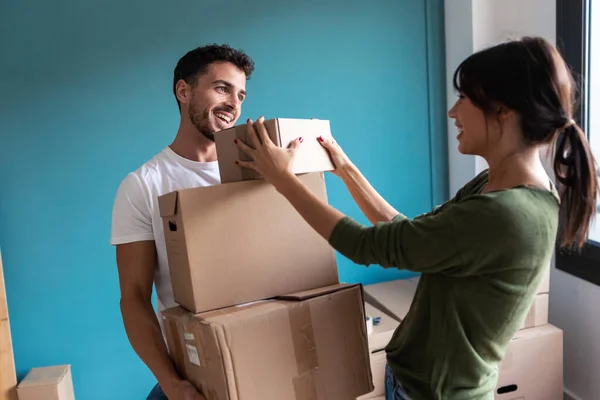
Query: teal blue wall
column 85, row 97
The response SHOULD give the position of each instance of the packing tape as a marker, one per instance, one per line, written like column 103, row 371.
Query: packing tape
column 305, row 350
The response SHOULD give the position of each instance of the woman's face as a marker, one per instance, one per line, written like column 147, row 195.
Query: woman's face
column 473, row 136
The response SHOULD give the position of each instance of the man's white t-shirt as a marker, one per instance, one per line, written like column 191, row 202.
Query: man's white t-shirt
column 136, row 216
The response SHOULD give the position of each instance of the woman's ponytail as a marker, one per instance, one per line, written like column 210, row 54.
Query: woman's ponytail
column 575, row 171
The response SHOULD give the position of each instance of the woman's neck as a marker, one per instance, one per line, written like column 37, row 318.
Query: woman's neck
column 520, row 167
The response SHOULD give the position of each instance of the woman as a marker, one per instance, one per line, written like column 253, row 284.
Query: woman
column 482, row 254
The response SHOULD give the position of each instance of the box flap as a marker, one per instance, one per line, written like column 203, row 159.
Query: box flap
column 167, row 204
column 307, row 294
column 44, row 376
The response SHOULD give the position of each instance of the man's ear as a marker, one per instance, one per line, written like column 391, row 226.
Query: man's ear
column 182, row 91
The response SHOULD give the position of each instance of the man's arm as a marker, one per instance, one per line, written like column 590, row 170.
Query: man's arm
column 133, row 236
column 136, row 263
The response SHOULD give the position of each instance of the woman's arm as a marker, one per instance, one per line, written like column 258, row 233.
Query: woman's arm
column 373, row 206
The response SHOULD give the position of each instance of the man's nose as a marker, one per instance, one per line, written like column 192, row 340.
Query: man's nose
column 234, row 101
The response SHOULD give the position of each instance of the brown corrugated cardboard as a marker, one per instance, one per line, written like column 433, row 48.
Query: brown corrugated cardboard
column 378, row 363
column 310, row 345
column 310, row 156
column 532, row 368
column 382, row 332
column 47, row 383
column 238, row 242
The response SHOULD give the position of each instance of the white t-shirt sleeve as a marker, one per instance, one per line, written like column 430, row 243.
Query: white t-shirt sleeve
column 132, row 216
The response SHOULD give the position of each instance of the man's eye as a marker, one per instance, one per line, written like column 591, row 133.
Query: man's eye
column 221, row 89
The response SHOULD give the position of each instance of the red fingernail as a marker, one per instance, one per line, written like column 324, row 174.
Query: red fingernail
column 237, row 163
column 235, row 141
column 248, row 120
column 301, row 139
column 320, row 138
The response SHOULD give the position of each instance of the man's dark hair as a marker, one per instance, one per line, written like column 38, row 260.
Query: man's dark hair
column 196, row 62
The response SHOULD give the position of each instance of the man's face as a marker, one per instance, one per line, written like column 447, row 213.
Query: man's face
column 216, row 99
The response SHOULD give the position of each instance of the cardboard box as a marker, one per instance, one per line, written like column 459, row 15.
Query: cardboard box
column 47, row 383
column 382, row 332
column 545, row 284
column 378, row 363
column 308, row 345
column 395, row 298
column 239, row 242
column 532, row 367
column 538, row 313
column 392, row 297
column 310, row 157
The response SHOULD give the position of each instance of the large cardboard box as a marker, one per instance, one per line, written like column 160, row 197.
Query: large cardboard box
column 308, row 345
column 238, row 242
column 47, row 383
column 395, row 298
column 532, row 368
column 310, row 157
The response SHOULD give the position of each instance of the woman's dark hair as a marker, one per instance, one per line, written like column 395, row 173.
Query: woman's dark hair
column 530, row 77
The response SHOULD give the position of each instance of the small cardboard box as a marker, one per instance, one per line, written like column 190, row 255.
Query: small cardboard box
column 47, row 383
column 392, row 297
column 532, row 367
column 310, row 157
column 238, row 242
column 545, row 284
column 383, row 331
column 378, row 363
column 308, row 345
column 538, row 313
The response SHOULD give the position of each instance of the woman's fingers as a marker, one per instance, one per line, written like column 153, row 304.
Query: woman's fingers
column 262, row 132
column 246, row 164
column 244, row 147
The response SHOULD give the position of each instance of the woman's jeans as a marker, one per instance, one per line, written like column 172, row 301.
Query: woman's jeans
column 393, row 388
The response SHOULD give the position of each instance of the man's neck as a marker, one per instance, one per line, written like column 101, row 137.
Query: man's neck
column 194, row 146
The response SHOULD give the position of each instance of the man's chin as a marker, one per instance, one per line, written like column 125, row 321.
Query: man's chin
column 209, row 135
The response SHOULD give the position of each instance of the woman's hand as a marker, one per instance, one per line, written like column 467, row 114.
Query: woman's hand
column 272, row 162
column 340, row 159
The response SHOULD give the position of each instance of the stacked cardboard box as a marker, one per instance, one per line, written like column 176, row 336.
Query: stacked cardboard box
column 531, row 369
column 262, row 314
column 47, row 383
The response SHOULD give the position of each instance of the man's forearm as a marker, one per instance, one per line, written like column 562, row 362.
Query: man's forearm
column 146, row 339
column 375, row 208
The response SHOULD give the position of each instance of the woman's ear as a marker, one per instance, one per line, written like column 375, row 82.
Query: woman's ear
column 505, row 113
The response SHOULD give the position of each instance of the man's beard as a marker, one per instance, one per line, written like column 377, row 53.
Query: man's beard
column 202, row 122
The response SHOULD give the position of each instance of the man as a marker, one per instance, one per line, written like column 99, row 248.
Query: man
column 209, row 85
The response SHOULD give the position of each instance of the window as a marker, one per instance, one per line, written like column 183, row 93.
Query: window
column 579, row 44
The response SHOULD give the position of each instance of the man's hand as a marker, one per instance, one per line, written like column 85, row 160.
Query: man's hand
column 184, row 390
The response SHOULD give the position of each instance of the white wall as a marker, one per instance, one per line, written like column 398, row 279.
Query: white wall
column 472, row 25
